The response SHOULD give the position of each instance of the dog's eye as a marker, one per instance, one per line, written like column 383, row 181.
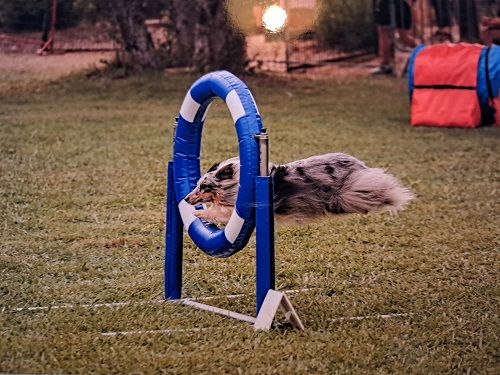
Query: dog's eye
column 225, row 173
column 206, row 187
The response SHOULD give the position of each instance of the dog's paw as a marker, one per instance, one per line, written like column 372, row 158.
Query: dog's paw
column 203, row 214
column 207, row 215
column 212, row 216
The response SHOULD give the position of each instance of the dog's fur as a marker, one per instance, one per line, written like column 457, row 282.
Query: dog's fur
column 305, row 190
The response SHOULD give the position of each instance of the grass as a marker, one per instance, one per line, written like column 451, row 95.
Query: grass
column 82, row 185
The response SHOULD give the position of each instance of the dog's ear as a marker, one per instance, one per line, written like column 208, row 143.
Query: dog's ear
column 225, row 173
column 213, row 167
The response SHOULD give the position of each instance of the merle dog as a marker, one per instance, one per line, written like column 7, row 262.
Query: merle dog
column 305, row 190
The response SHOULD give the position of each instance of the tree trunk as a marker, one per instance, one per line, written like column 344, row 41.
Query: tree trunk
column 182, row 38
column 129, row 19
column 204, row 36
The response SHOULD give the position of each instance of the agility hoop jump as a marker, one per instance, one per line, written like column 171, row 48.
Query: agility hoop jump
column 254, row 203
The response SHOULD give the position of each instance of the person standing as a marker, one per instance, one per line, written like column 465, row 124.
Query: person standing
column 443, row 20
column 468, row 21
column 392, row 16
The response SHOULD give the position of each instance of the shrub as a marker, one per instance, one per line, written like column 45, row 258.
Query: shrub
column 346, row 24
column 30, row 15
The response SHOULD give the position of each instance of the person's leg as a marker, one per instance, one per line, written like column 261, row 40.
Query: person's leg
column 407, row 38
column 384, row 31
column 443, row 20
column 468, row 21
column 384, row 45
column 403, row 15
column 489, row 36
column 442, row 9
column 495, row 36
column 484, row 35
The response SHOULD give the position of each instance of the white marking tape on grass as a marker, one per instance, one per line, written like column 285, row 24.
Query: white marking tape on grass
column 251, row 320
column 138, row 303
column 166, row 331
column 85, row 306
column 376, row 316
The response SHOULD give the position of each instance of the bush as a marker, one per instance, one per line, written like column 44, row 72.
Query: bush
column 346, row 24
column 30, row 15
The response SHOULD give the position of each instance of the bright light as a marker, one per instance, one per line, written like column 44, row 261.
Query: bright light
column 274, row 18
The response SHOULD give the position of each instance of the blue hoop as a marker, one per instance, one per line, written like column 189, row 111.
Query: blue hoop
column 187, row 143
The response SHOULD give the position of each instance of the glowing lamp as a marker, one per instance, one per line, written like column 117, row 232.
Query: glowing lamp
column 274, row 18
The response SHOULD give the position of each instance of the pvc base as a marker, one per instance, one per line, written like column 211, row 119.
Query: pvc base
column 273, row 302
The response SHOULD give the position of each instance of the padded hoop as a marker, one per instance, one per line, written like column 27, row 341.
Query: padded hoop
column 187, row 144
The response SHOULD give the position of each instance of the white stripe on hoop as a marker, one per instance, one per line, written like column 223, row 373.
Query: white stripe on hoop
column 206, row 112
column 233, row 227
column 254, row 103
column 234, row 104
column 189, row 108
column 186, row 210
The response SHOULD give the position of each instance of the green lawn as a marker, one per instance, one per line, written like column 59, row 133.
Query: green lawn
column 82, row 187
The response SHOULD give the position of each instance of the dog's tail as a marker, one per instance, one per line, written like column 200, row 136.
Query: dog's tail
column 372, row 190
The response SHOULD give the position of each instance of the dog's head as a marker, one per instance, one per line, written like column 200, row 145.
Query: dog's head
column 219, row 185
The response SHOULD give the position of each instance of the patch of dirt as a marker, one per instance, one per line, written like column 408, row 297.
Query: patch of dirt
column 49, row 67
column 267, row 55
column 84, row 37
column 355, row 68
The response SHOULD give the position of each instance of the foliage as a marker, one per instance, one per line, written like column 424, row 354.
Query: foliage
column 95, row 10
column 203, row 36
column 346, row 25
column 30, row 15
column 200, row 34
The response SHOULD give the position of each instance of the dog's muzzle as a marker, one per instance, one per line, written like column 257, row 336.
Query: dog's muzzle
column 193, row 198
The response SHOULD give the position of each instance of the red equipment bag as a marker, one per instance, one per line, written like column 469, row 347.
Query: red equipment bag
column 444, row 86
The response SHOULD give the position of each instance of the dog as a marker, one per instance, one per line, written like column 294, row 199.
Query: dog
column 305, row 190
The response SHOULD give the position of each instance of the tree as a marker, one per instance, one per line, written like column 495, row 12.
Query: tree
column 128, row 19
column 346, row 25
column 203, row 36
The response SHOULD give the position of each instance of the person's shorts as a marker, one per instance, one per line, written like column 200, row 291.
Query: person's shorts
column 393, row 13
